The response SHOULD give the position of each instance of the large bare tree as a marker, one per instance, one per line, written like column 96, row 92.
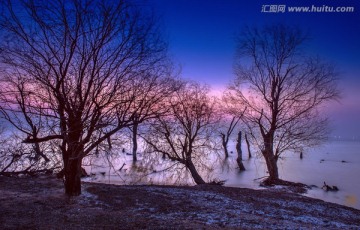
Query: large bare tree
column 282, row 89
column 77, row 72
column 186, row 133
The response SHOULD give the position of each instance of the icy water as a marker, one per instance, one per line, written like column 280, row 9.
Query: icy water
column 336, row 163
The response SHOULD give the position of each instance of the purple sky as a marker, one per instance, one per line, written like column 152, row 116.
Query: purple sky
column 201, row 39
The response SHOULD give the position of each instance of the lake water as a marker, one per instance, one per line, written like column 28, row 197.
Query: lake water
column 336, row 163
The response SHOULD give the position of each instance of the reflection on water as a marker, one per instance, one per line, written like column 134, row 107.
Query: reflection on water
column 336, row 163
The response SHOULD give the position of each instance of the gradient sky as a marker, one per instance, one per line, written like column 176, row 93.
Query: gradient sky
column 201, row 39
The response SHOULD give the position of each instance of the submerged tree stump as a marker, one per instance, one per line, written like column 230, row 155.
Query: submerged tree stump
column 248, row 145
column 134, row 137
column 225, row 139
column 239, row 152
column 330, row 188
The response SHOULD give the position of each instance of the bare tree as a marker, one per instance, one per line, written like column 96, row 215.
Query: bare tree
column 185, row 133
column 225, row 136
column 77, row 72
column 226, row 112
column 282, row 89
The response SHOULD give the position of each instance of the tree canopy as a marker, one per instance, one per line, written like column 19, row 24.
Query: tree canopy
column 77, row 72
column 282, row 89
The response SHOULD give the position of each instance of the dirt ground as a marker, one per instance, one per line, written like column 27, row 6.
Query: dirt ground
column 40, row 203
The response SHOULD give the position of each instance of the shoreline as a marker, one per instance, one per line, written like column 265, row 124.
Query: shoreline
column 40, row 202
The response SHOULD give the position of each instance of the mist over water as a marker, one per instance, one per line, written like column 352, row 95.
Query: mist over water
column 337, row 163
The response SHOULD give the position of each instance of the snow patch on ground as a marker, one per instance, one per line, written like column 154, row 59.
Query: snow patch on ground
column 230, row 212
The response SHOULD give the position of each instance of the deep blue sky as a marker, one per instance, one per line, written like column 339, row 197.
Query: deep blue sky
column 201, row 39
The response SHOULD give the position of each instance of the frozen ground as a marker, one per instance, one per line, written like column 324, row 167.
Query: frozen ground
column 39, row 203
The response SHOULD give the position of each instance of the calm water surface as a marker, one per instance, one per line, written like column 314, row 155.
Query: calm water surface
column 336, row 163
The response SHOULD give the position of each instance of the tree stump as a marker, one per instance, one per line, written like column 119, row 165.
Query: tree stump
column 239, row 152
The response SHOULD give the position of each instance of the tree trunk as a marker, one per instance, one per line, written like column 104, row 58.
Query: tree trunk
column 224, row 144
column 270, row 159
column 72, row 157
column 271, row 163
column 248, row 145
column 72, row 175
column 239, row 152
column 194, row 173
column 134, row 139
